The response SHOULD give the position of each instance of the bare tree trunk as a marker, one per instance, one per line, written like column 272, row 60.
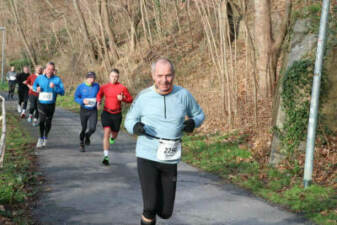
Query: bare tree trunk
column 106, row 55
column 157, row 16
column 142, row 5
column 263, row 44
column 85, row 30
column 277, row 43
column 177, row 14
column 268, row 50
column 112, row 40
column 30, row 52
column 134, row 16
column 189, row 20
column 147, row 22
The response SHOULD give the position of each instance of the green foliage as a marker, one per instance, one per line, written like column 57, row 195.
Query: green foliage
column 4, row 85
column 312, row 199
column 313, row 13
column 222, row 155
column 296, row 90
column 17, row 172
column 20, row 63
column 67, row 101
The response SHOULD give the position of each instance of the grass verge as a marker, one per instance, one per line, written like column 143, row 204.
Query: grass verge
column 67, row 101
column 229, row 157
column 18, row 177
column 4, row 86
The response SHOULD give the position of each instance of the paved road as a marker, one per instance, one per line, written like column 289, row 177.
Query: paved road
column 79, row 190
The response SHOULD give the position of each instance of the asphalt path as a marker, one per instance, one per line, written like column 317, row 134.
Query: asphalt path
column 80, row 190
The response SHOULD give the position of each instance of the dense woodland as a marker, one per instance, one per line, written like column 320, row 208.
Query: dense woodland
column 249, row 63
column 230, row 54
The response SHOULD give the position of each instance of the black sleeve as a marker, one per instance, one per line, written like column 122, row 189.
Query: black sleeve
column 19, row 78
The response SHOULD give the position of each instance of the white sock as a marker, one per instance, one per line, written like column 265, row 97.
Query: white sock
column 106, row 153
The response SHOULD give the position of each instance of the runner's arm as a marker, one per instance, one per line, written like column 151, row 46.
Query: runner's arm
column 59, row 88
column 18, row 78
column 127, row 96
column 28, row 83
column 194, row 111
column 99, row 96
column 36, row 84
column 77, row 95
column 133, row 116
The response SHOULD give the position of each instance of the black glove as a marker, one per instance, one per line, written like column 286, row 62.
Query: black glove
column 138, row 128
column 189, row 125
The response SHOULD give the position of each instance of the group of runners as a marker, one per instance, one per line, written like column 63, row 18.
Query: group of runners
column 25, row 81
column 158, row 116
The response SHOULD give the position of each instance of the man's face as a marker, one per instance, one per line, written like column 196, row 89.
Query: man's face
column 114, row 77
column 38, row 70
column 50, row 69
column 12, row 68
column 163, row 77
column 25, row 69
column 90, row 80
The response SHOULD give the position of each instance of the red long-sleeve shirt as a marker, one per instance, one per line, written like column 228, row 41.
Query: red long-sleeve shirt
column 110, row 92
column 30, row 81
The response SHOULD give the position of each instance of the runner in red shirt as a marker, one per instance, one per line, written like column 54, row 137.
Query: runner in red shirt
column 33, row 96
column 111, row 117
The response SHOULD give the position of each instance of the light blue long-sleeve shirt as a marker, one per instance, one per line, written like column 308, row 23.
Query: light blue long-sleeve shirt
column 44, row 83
column 163, row 116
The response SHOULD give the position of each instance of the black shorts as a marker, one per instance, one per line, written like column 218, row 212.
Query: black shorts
column 111, row 120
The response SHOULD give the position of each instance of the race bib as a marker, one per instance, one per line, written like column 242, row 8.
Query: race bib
column 91, row 102
column 12, row 78
column 46, row 96
column 169, row 150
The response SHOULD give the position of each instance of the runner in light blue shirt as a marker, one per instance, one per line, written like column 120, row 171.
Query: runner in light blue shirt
column 157, row 116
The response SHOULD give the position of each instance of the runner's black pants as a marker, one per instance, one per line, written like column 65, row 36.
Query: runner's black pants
column 88, row 116
column 11, row 88
column 158, row 182
column 23, row 97
column 33, row 100
column 46, row 112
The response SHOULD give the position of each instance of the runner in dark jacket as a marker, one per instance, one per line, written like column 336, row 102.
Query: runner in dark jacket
column 22, row 90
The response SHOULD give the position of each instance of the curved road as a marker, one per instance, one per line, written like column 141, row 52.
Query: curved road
column 80, row 190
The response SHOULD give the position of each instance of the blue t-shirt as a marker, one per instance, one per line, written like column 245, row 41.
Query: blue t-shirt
column 163, row 116
column 43, row 82
column 84, row 91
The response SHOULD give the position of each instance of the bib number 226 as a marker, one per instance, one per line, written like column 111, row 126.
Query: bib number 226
column 169, row 150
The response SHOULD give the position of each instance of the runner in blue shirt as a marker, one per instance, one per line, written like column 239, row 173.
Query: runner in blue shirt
column 48, row 86
column 85, row 95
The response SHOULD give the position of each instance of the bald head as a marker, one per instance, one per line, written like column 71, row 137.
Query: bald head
column 160, row 62
column 163, row 75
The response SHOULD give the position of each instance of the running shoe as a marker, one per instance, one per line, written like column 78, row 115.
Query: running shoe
column 23, row 114
column 18, row 108
column 106, row 160
column 111, row 140
column 39, row 143
column 44, row 144
column 29, row 119
column 35, row 122
column 142, row 222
